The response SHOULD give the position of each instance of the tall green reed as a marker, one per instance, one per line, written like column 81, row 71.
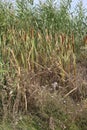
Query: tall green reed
column 34, row 38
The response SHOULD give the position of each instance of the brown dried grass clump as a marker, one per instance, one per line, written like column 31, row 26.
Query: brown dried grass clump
column 45, row 94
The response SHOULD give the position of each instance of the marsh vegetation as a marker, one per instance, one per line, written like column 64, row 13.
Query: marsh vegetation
column 43, row 66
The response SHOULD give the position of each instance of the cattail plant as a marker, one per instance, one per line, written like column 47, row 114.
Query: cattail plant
column 37, row 40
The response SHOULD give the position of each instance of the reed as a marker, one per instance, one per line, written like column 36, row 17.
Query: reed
column 36, row 40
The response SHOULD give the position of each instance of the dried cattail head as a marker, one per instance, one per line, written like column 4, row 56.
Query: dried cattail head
column 85, row 40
